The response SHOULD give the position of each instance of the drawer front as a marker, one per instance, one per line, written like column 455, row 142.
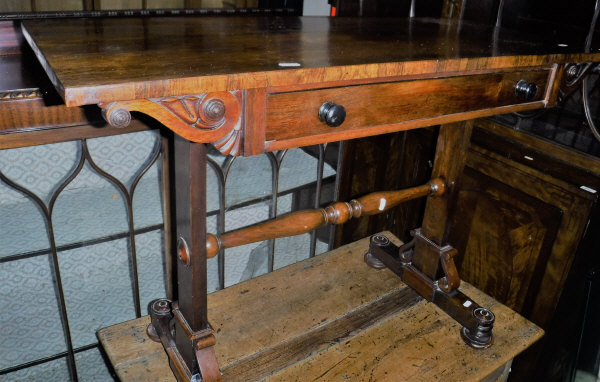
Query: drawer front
column 31, row 113
column 295, row 115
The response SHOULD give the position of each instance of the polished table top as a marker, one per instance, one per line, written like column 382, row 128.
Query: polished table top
column 102, row 60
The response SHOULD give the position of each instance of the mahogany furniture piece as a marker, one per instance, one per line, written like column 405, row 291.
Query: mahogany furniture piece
column 250, row 85
column 350, row 322
column 539, row 200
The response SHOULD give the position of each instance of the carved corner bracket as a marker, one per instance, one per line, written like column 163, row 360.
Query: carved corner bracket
column 205, row 118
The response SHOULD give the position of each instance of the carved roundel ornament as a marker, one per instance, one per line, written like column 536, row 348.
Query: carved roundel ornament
column 213, row 111
column 206, row 112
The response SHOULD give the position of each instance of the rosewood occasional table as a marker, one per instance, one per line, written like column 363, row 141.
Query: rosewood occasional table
column 250, row 85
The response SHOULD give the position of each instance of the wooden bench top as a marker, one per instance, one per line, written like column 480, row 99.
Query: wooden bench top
column 331, row 318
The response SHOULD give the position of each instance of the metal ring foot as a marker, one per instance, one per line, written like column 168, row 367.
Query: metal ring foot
column 481, row 337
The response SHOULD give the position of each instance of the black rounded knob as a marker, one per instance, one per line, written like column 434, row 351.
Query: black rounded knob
column 526, row 90
column 333, row 115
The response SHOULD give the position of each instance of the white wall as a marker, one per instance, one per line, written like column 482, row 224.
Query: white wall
column 316, row 8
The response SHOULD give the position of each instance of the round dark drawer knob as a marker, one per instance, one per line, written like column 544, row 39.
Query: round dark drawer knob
column 333, row 115
column 526, row 90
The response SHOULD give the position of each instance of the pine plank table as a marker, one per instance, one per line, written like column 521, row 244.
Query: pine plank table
column 330, row 318
column 250, row 85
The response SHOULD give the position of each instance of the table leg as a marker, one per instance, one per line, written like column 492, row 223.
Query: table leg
column 190, row 347
column 430, row 269
column 450, row 156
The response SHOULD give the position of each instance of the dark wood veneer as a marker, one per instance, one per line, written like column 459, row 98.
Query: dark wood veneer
column 294, row 115
column 103, row 60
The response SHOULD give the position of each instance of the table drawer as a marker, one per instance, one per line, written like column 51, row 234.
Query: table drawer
column 294, row 115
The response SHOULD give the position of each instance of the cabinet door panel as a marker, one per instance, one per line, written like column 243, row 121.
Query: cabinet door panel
column 500, row 234
column 522, row 183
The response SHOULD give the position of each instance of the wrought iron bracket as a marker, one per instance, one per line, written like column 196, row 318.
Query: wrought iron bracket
column 165, row 320
column 477, row 322
column 573, row 77
column 576, row 77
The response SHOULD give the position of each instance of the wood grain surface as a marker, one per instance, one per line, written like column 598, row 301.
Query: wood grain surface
column 102, row 60
column 350, row 322
column 295, row 114
column 551, row 155
column 571, row 226
column 33, row 113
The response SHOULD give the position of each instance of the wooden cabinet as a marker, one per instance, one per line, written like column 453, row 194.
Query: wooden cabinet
column 516, row 226
column 523, row 209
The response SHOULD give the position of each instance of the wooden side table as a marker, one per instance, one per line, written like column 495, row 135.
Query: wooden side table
column 331, row 318
column 254, row 85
